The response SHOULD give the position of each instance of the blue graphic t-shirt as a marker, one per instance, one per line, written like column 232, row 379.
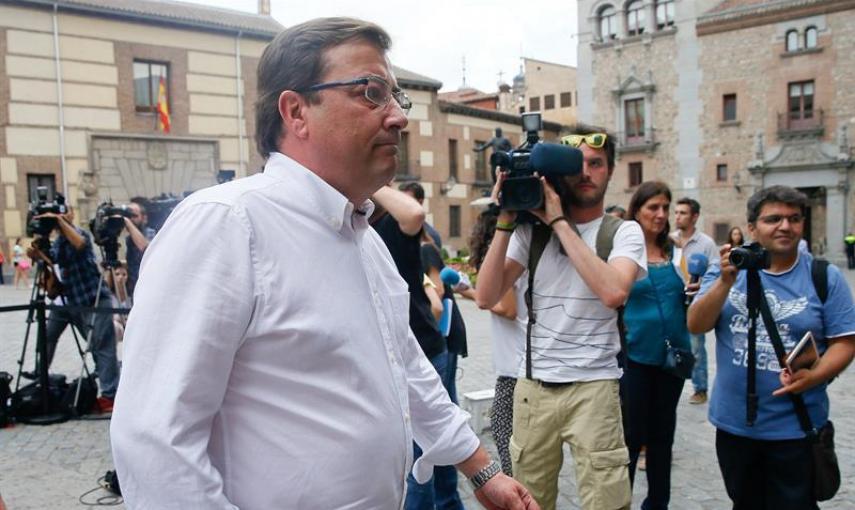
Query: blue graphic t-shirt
column 796, row 309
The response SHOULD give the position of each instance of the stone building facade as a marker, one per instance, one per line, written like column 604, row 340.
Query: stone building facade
column 698, row 93
column 77, row 113
column 550, row 88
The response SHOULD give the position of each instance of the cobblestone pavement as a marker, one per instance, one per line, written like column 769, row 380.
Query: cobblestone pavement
column 50, row 467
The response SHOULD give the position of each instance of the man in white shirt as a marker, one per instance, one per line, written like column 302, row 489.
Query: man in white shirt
column 269, row 363
column 570, row 393
column 688, row 240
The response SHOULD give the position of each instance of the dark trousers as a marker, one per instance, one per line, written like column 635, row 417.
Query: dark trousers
column 850, row 256
column 766, row 475
column 650, row 396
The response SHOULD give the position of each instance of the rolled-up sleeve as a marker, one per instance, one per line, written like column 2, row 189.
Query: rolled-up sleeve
column 192, row 308
column 440, row 427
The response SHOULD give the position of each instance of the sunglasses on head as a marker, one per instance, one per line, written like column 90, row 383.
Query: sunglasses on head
column 593, row 140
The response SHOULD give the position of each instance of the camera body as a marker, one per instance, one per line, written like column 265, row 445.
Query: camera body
column 41, row 205
column 109, row 222
column 521, row 190
column 750, row 256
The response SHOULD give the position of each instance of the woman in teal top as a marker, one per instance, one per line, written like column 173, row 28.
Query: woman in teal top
column 654, row 312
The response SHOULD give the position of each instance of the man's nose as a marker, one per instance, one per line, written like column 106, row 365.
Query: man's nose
column 395, row 117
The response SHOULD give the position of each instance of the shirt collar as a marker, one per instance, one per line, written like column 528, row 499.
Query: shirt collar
column 335, row 209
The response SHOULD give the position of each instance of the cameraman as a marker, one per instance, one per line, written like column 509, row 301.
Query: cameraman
column 139, row 235
column 72, row 252
column 573, row 393
column 769, row 465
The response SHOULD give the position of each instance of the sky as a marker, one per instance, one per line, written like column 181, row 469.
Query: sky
column 432, row 38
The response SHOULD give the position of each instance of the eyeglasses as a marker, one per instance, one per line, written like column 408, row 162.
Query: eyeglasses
column 377, row 91
column 593, row 140
column 776, row 219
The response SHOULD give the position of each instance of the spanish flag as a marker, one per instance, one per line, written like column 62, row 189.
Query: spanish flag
column 163, row 123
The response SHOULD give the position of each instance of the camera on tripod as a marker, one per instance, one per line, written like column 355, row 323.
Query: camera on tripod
column 751, row 257
column 522, row 190
column 108, row 223
column 41, row 205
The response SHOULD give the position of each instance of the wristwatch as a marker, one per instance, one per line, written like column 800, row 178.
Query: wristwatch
column 484, row 475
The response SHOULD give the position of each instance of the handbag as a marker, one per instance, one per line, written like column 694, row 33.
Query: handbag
column 825, row 470
column 679, row 362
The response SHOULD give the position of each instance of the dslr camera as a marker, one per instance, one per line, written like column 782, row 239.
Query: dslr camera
column 521, row 189
column 750, row 256
column 41, row 205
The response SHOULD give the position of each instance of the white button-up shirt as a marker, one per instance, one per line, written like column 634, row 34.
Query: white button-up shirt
column 268, row 361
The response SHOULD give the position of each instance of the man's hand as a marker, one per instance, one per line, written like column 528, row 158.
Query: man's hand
column 504, row 215
column 551, row 204
column 728, row 271
column 503, row 492
column 799, row 382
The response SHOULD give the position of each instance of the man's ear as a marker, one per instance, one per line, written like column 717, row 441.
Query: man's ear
column 751, row 230
column 292, row 110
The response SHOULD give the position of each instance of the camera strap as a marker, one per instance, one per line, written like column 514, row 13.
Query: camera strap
column 780, row 353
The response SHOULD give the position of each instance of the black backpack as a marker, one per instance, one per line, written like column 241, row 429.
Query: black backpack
column 5, row 399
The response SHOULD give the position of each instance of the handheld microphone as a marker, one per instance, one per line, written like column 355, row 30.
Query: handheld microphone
column 456, row 280
column 553, row 159
column 697, row 266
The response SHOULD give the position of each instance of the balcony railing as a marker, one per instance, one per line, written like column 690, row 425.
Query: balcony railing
column 809, row 123
column 631, row 143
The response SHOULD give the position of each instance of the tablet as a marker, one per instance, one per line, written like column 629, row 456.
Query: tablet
column 803, row 355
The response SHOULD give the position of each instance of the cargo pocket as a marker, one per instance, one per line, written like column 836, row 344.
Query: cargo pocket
column 610, row 478
column 516, row 452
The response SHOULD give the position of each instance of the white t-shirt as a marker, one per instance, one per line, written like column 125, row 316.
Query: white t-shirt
column 509, row 335
column 576, row 336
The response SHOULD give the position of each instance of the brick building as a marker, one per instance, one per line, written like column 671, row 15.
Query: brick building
column 79, row 84
column 719, row 98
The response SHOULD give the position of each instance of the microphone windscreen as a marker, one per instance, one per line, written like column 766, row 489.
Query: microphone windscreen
column 449, row 276
column 697, row 264
column 556, row 159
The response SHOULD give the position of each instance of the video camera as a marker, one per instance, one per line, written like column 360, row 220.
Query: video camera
column 106, row 226
column 522, row 190
column 750, row 256
column 44, row 226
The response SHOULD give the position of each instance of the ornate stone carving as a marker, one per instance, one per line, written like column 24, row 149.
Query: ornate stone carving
column 157, row 155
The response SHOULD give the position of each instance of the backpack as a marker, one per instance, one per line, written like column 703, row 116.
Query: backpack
column 5, row 396
column 540, row 236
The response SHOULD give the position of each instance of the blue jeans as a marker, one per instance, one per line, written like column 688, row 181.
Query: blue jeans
column 699, row 373
column 439, row 492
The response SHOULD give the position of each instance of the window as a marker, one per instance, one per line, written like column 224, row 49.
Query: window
column 721, row 231
column 810, row 37
column 608, row 23
column 549, row 102
column 480, row 163
column 664, row 14
column 792, row 40
column 566, row 99
column 404, row 154
column 636, row 176
column 35, row 181
column 721, row 173
column 454, row 221
column 522, row 110
column 729, row 107
column 635, row 17
column 634, row 119
column 452, row 159
column 800, row 102
column 147, row 78
column 534, row 104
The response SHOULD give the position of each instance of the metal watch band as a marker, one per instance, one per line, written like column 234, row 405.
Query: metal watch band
column 483, row 476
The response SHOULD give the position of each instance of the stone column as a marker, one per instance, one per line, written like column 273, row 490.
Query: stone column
column 834, row 225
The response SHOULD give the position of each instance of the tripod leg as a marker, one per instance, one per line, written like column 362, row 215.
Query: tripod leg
column 35, row 296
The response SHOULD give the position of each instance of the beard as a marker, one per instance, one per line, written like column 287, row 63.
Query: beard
column 571, row 197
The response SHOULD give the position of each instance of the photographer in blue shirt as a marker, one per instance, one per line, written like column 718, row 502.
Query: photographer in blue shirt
column 768, row 465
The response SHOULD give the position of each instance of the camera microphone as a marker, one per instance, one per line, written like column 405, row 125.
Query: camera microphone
column 697, row 266
column 552, row 159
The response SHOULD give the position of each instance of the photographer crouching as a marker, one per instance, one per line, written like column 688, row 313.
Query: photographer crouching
column 72, row 251
column 772, row 424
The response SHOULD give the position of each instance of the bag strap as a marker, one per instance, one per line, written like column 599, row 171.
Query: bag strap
column 605, row 244
column 780, row 352
column 540, row 235
column 819, row 275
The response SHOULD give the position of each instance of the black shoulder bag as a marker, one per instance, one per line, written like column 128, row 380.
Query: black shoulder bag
column 678, row 362
column 826, row 471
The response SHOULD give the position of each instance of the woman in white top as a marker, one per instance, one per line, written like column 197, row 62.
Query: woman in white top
column 507, row 324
